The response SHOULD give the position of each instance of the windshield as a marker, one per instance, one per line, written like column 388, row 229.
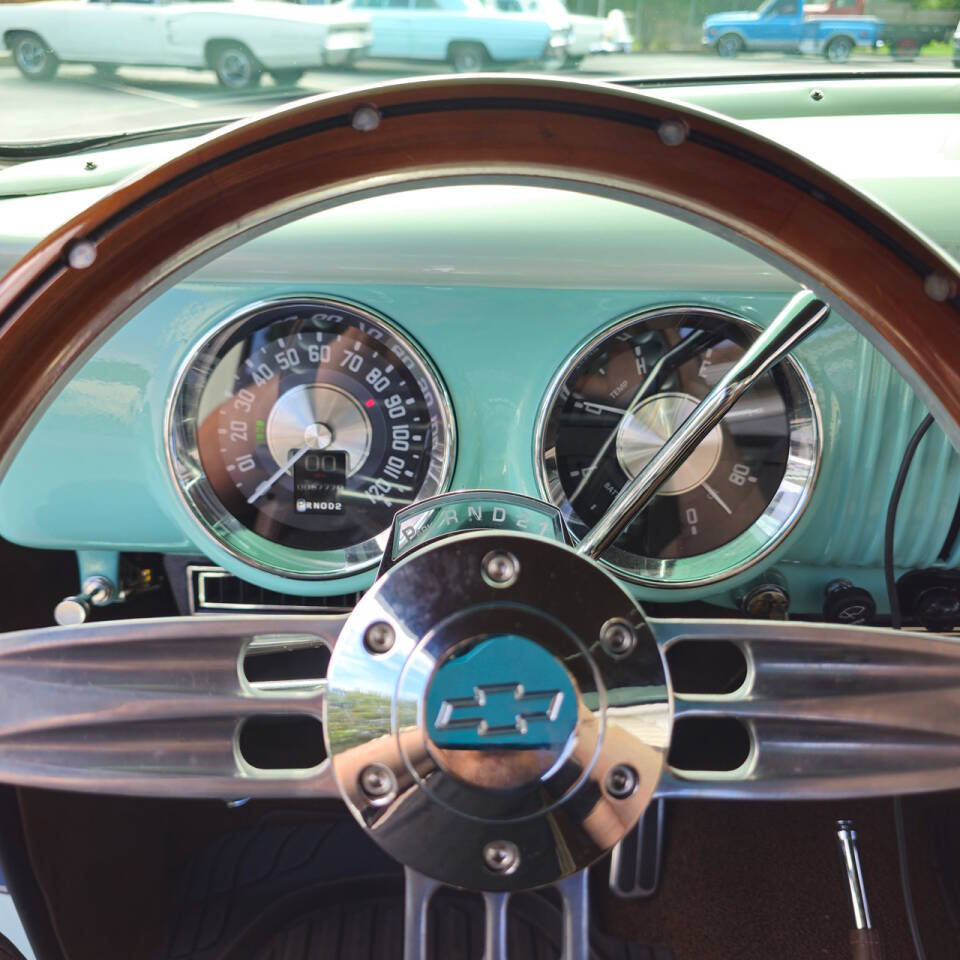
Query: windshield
column 78, row 70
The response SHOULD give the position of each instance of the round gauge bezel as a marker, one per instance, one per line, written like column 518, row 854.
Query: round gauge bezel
column 213, row 518
column 748, row 547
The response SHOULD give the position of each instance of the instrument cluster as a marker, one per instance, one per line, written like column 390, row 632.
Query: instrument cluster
column 300, row 426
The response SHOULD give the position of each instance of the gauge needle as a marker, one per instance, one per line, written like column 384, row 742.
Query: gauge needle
column 689, row 347
column 716, row 496
column 274, row 477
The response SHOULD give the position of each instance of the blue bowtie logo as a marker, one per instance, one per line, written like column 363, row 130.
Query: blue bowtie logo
column 507, row 692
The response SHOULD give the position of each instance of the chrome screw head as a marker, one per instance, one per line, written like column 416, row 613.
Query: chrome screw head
column 673, row 132
column 501, row 856
column 938, row 287
column 500, row 569
column 622, row 780
column 378, row 782
column 618, row 637
column 379, row 638
column 81, row 254
column 365, row 118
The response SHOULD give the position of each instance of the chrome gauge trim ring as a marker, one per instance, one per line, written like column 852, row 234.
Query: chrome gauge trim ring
column 747, row 548
column 213, row 522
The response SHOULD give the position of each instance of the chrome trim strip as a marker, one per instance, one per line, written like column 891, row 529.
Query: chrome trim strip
column 197, row 602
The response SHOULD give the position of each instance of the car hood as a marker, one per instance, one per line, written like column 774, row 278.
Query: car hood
column 734, row 16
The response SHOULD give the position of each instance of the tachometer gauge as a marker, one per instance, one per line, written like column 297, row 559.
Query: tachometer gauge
column 299, row 428
column 618, row 400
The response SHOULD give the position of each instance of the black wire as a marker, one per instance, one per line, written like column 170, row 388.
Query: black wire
column 888, row 573
column 895, row 622
column 905, row 880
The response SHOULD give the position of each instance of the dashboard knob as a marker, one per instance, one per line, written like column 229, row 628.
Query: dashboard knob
column 96, row 591
column 845, row 603
column 766, row 601
column 938, row 609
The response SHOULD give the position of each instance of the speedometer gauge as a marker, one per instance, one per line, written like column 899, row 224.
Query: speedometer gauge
column 618, row 400
column 298, row 429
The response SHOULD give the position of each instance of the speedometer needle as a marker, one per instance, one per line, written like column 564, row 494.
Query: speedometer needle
column 274, row 477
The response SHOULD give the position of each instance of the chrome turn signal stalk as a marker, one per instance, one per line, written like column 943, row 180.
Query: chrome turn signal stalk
column 800, row 317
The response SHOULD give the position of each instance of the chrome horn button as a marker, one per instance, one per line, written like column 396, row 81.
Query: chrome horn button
column 497, row 711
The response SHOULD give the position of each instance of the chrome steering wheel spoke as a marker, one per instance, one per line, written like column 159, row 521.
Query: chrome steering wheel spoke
column 574, row 896
column 832, row 711
column 153, row 707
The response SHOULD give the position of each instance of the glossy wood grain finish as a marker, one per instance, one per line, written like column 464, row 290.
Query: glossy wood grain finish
column 51, row 314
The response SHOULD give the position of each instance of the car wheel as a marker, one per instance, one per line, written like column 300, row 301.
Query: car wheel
column 838, row 50
column 105, row 71
column 906, row 48
column 729, row 45
column 33, row 57
column 286, row 78
column 236, row 67
column 468, row 57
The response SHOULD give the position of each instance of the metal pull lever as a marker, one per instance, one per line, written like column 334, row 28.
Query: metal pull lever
column 96, row 591
column 864, row 940
column 799, row 317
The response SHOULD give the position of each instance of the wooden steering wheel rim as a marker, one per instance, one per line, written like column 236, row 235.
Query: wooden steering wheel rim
column 55, row 305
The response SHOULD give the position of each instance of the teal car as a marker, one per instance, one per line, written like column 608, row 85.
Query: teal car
column 492, row 515
column 465, row 34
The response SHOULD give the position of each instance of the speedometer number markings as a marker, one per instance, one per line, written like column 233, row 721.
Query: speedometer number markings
column 314, row 426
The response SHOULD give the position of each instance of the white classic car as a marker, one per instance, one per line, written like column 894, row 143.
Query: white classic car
column 587, row 34
column 239, row 41
column 464, row 33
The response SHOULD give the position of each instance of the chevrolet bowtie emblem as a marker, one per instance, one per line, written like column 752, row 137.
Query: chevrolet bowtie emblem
column 499, row 708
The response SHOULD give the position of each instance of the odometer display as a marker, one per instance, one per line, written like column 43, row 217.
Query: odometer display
column 300, row 427
column 622, row 396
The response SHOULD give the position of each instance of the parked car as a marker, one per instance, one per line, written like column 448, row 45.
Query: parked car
column 239, row 41
column 782, row 25
column 906, row 29
column 464, row 33
column 589, row 34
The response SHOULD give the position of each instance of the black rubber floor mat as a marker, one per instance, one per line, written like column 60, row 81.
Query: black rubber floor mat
column 373, row 930
column 289, row 889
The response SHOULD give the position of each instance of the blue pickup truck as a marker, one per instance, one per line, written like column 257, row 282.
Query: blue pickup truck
column 781, row 25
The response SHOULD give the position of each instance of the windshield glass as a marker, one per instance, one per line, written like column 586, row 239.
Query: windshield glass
column 75, row 70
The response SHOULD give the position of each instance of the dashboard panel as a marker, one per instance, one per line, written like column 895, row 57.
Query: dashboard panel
column 502, row 306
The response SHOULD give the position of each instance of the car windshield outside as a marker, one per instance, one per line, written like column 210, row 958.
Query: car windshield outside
column 76, row 70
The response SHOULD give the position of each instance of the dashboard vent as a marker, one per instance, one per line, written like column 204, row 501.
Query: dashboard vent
column 212, row 590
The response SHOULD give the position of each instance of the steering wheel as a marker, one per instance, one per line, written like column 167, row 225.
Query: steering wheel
column 153, row 707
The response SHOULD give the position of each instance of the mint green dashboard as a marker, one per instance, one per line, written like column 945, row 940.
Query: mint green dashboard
column 499, row 286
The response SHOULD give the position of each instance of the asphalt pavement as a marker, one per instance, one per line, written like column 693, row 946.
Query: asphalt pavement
column 76, row 103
